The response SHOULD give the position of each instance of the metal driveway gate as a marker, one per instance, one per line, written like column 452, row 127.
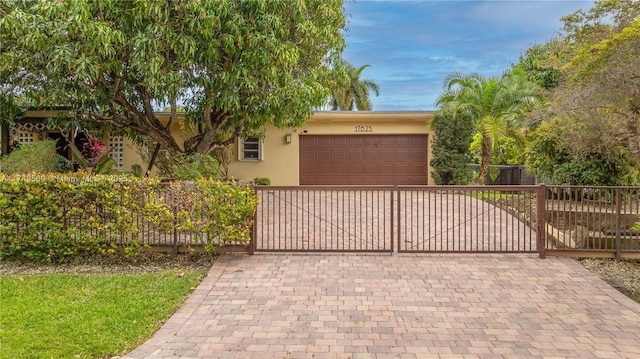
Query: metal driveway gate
column 407, row 219
column 324, row 219
column 468, row 219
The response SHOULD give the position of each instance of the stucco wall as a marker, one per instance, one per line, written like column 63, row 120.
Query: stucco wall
column 279, row 163
column 281, row 159
column 141, row 155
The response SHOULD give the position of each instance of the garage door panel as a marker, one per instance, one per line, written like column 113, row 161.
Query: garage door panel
column 355, row 181
column 339, row 154
column 418, row 140
column 406, row 141
column 418, row 170
column 403, row 168
column 371, row 169
column 371, row 181
column 323, row 141
column 376, row 141
column 338, row 169
column 323, row 154
column 387, row 141
column 387, row 181
column 323, row 181
column 416, row 155
column 387, row 155
column 402, row 154
column 355, row 140
column 372, row 156
column 387, row 169
column 356, row 154
column 323, row 168
column 363, row 159
column 355, row 169
column 406, row 181
column 309, row 168
column 308, row 154
column 339, row 141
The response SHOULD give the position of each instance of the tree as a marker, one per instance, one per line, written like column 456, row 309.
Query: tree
column 596, row 108
column 496, row 105
column 235, row 66
column 602, row 165
column 450, row 159
column 352, row 93
column 584, row 28
column 604, row 84
column 507, row 150
column 538, row 64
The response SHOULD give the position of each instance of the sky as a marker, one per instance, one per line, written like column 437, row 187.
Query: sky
column 412, row 45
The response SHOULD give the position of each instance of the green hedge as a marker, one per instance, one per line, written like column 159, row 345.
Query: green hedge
column 53, row 217
column 39, row 156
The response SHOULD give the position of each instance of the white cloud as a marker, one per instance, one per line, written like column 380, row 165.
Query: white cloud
column 412, row 45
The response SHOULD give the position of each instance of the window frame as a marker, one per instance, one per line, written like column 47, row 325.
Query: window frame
column 243, row 151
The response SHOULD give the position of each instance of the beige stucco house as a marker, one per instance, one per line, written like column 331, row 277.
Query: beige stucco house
column 332, row 148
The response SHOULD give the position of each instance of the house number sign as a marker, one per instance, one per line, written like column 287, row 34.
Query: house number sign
column 364, row 128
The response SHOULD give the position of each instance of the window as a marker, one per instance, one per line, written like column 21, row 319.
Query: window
column 250, row 149
column 116, row 144
column 25, row 137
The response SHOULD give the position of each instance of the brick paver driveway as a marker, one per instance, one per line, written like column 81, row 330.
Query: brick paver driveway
column 400, row 306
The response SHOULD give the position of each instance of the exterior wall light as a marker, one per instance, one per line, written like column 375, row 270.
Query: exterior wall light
column 287, row 138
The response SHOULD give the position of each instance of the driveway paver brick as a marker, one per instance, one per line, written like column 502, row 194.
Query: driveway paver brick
column 399, row 306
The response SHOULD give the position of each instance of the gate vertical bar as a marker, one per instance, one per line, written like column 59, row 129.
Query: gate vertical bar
column 395, row 193
column 392, row 239
column 541, row 228
column 175, row 230
column 618, row 214
column 252, row 244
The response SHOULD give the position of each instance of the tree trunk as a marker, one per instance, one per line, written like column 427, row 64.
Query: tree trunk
column 484, row 163
column 634, row 136
column 152, row 161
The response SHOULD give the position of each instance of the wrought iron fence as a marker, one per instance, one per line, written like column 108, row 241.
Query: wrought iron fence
column 549, row 220
column 159, row 219
column 593, row 221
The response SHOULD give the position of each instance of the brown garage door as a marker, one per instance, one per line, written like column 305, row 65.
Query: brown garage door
column 363, row 159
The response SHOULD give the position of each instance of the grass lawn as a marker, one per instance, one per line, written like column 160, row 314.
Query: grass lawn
column 491, row 195
column 86, row 316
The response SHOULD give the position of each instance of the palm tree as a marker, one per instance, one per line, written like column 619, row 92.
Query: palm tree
column 352, row 93
column 496, row 104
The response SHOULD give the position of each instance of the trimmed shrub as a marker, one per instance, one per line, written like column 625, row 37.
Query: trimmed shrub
column 54, row 217
column 183, row 167
column 215, row 213
column 37, row 157
column 262, row 181
column 62, row 164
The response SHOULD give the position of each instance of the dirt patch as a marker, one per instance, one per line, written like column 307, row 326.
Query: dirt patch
column 142, row 263
column 623, row 276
